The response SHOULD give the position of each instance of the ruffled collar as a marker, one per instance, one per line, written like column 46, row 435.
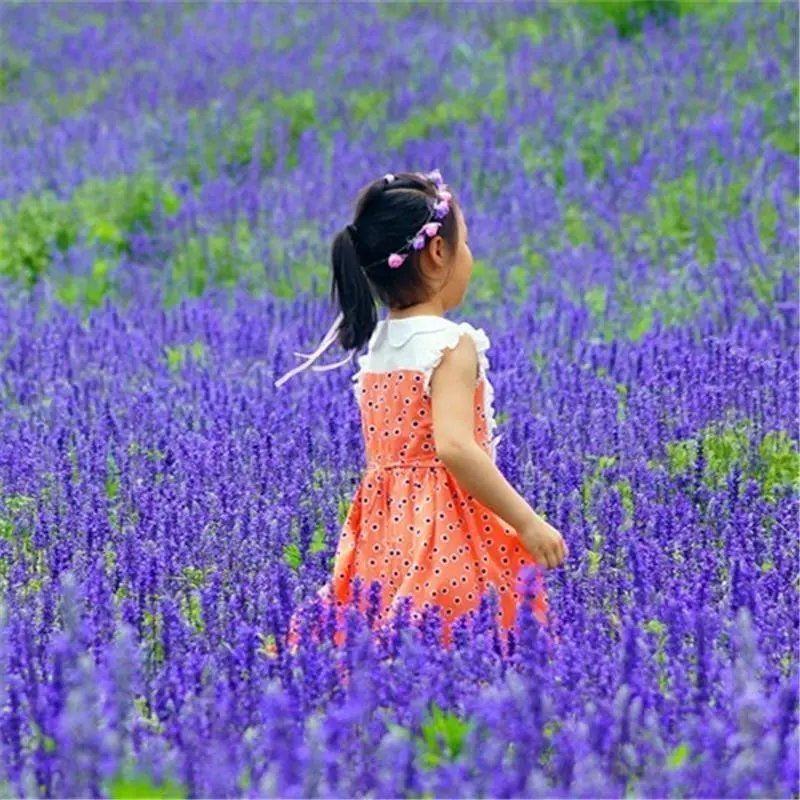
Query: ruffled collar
column 398, row 331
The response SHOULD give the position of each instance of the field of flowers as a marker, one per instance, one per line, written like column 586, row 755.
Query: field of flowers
column 171, row 176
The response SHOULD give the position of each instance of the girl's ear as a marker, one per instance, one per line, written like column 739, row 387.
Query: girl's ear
column 438, row 250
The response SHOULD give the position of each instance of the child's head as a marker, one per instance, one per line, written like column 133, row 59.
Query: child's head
column 388, row 229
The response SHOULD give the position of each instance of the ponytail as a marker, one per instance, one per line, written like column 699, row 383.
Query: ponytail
column 351, row 289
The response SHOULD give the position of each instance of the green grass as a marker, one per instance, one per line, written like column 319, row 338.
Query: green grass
column 106, row 213
column 132, row 783
column 774, row 462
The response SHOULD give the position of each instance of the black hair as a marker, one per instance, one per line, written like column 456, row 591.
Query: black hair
column 387, row 215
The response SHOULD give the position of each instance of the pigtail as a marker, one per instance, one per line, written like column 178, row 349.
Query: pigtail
column 351, row 289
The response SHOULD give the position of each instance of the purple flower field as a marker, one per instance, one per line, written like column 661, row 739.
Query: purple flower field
column 171, row 176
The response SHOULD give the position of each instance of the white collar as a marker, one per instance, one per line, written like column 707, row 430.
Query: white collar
column 398, row 331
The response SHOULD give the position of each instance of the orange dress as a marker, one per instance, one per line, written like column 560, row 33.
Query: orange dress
column 410, row 525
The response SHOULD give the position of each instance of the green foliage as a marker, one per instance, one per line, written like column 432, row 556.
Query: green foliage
column 87, row 291
column 508, row 33
column 292, row 555
column 519, row 280
column 779, row 122
column 595, row 554
column 152, row 630
column 641, row 323
column 595, row 297
column 109, row 557
column 779, row 462
column 113, row 209
column 463, row 106
column 486, row 283
column 177, row 355
column 192, row 610
column 107, row 212
column 627, row 16
column 112, row 477
column 679, row 214
column 343, row 509
column 622, row 400
column 767, row 216
column 16, row 527
column 195, row 576
column 656, row 628
column 602, row 463
column 236, row 149
column 151, row 453
column 575, row 226
column 12, row 65
column 29, row 232
column 443, row 737
column 318, row 540
column 224, row 257
column 133, row 784
column 533, row 261
column 71, row 104
column 598, row 145
column 710, row 11
column 367, row 105
column 725, row 448
column 623, row 486
column 677, row 757
column 539, row 360
column 775, row 464
column 230, row 144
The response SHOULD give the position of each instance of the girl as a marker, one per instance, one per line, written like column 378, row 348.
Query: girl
column 433, row 518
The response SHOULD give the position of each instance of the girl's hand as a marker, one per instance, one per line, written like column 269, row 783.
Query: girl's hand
column 543, row 542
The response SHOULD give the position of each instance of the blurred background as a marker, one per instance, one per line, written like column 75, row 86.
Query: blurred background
column 613, row 151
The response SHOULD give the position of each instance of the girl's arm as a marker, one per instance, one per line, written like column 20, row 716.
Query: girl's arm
column 452, row 396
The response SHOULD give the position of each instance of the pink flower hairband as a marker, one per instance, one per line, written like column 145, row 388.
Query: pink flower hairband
column 429, row 229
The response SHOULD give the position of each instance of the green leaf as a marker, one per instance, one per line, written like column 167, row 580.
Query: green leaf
column 171, row 203
column 595, row 298
column 343, row 509
column 443, row 737
column 106, row 231
column 292, row 556
column 575, row 226
column 139, row 786
column 317, row 540
column 678, row 756
column 112, row 478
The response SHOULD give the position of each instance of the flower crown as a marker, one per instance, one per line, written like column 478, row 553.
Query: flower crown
column 429, row 229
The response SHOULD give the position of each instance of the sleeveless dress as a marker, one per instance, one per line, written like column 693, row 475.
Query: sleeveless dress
column 410, row 525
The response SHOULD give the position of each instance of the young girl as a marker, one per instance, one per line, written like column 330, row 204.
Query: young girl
column 432, row 518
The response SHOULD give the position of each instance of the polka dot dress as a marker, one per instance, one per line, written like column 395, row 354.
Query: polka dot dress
column 410, row 525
